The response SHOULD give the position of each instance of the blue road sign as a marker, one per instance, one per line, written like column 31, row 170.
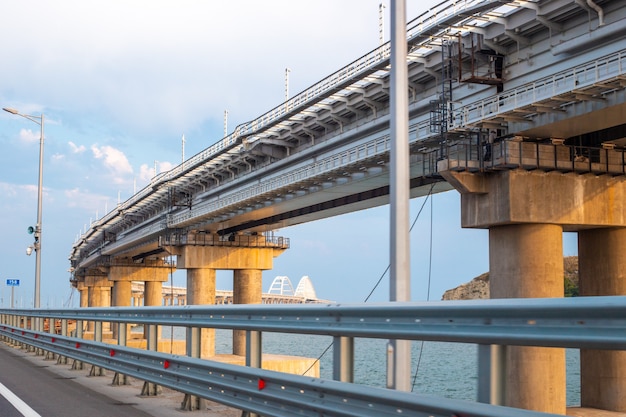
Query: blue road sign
column 13, row 282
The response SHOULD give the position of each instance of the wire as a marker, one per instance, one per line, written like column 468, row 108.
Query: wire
column 430, row 265
column 428, row 196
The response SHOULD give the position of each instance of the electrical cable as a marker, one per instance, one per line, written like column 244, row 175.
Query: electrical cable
column 430, row 264
column 428, row 196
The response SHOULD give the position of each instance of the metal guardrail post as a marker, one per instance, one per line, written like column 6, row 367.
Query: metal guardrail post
column 491, row 374
column 118, row 378
column 77, row 364
column 150, row 389
column 51, row 330
column 193, row 402
column 97, row 337
column 343, row 359
column 62, row 360
column 254, row 357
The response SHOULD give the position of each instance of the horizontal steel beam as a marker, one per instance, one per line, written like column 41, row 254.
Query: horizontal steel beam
column 582, row 322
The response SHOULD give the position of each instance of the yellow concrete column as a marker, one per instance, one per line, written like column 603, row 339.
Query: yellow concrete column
column 121, row 293
column 153, row 296
column 201, row 291
column 153, row 292
column 121, row 297
column 602, row 271
column 526, row 261
column 83, row 291
column 247, row 289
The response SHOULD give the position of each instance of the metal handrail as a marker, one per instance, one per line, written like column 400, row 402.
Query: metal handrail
column 579, row 77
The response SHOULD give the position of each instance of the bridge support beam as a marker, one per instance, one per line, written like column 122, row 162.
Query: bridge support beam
column 247, row 289
column 525, row 212
column 602, row 271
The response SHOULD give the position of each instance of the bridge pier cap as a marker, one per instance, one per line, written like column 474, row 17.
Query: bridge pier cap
column 576, row 202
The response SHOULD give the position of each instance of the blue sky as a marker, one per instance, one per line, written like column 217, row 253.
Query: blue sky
column 120, row 82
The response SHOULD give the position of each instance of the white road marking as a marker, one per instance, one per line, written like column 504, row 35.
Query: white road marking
column 17, row 402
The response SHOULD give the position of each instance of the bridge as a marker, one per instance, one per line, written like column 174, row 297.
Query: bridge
column 519, row 106
column 280, row 292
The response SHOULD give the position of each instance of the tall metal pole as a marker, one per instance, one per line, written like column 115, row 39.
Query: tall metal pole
column 400, row 279
column 38, row 227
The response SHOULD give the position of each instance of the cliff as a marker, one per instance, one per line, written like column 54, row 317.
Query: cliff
column 478, row 288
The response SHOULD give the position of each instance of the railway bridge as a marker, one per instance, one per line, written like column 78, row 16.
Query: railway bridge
column 520, row 106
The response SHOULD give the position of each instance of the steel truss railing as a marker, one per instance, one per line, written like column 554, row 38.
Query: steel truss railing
column 584, row 322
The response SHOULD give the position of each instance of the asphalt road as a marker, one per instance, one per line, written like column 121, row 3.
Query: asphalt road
column 50, row 394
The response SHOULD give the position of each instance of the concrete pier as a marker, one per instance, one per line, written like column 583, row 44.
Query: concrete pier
column 602, row 271
column 526, row 213
column 526, row 261
column 247, row 289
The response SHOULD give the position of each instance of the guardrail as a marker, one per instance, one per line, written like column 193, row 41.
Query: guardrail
column 578, row 78
column 513, row 154
column 584, row 322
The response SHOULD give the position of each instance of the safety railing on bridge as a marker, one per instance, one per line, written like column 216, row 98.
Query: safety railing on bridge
column 511, row 154
column 589, row 74
column 583, row 322
column 210, row 239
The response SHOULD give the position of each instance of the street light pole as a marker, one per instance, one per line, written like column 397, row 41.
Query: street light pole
column 37, row 246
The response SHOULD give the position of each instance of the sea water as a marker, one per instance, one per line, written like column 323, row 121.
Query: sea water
column 445, row 369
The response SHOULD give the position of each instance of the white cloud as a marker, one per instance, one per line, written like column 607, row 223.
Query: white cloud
column 28, row 136
column 58, row 157
column 115, row 161
column 76, row 149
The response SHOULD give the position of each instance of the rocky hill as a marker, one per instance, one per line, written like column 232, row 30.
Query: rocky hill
column 478, row 288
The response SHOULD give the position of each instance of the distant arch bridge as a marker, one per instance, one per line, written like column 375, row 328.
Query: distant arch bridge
column 280, row 292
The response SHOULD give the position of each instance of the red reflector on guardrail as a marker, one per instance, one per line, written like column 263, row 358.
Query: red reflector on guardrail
column 261, row 384
column 166, row 364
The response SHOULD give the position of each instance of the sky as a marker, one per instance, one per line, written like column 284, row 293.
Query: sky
column 120, row 82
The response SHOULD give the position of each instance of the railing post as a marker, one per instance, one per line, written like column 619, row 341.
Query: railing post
column 491, row 374
column 121, row 379
column 149, row 388
column 97, row 337
column 343, row 359
column 51, row 330
column 254, row 356
column 62, row 360
column 192, row 402
column 78, row 365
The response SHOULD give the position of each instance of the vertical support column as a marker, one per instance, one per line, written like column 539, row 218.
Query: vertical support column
column 153, row 297
column 247, row 289
column 602, row 271
column 121, row 298
column 526, row 261
column 201, row 291
column 83, row 291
